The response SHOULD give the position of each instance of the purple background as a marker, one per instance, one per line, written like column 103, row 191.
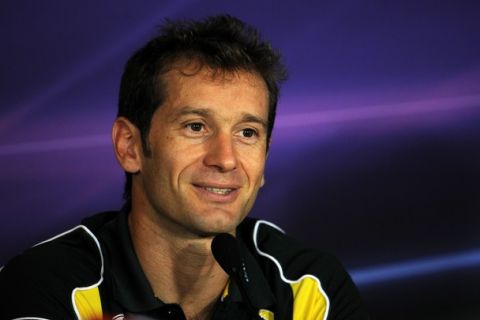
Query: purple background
column 375, row 156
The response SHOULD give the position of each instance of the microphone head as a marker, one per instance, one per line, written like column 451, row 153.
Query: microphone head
column 226, row 252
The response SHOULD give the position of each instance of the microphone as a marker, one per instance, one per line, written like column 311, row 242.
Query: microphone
column 226, row 251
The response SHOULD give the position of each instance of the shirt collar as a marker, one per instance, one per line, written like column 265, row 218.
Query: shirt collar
column 131, row 288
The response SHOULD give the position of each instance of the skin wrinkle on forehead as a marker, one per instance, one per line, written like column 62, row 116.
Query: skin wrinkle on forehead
column 189, row 68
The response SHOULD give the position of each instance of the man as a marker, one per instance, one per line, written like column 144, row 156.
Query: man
column 196, row 112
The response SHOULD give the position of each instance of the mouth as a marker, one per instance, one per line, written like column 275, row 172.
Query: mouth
column 220, row 191
column 217, row 193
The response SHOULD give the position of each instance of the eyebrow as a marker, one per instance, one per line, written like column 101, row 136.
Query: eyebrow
column 246, row 117
column 187, row 110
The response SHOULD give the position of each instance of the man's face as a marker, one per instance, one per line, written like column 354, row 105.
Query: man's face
column 208, row 150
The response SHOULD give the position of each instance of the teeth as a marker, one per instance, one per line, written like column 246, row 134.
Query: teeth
column 218, row 190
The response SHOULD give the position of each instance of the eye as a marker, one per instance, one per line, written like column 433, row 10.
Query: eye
column 196, row 126
column 248, row 133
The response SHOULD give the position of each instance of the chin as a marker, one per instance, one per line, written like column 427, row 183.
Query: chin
column 218, row 223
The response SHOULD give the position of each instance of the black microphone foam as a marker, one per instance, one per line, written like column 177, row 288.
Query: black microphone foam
column 226, row 252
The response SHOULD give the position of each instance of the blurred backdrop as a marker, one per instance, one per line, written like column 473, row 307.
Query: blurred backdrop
column 375, row 155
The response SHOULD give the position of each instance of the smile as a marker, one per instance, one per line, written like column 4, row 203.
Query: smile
column 217, row 193
column 222, row 191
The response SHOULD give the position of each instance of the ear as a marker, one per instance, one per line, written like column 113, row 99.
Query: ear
column 127, row 145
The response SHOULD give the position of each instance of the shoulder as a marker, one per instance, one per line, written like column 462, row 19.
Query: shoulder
column 40, row 281
column 314, row 277
column 294, row 258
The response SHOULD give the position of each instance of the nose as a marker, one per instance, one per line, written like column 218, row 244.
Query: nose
column 221, row 153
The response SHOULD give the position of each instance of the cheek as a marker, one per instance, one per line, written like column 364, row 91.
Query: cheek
column 254, row 166
column 164, row 163
column 182, row 162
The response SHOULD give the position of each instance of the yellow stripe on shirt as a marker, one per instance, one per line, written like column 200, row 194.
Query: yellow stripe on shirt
column 87, row 303
column 309, row 300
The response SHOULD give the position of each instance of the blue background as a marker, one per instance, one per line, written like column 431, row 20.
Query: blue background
column 375, row 154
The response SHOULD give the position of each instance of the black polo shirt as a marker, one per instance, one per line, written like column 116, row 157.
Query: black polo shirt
column 92, row 272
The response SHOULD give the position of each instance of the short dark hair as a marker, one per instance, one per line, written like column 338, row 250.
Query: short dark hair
column 221, row 42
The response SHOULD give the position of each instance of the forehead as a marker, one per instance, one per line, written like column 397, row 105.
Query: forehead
column 223, row 91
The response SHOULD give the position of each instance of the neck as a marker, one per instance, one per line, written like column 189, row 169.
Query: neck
column 180, row 269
